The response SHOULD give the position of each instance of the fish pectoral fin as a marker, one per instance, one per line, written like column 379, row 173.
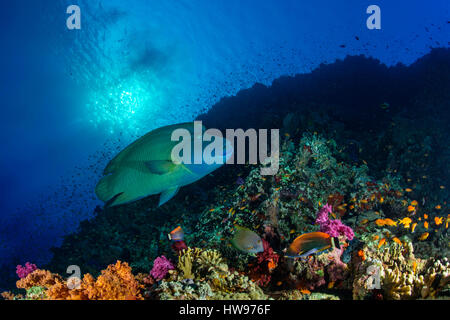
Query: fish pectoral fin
column 160, row 166
column 167, row 195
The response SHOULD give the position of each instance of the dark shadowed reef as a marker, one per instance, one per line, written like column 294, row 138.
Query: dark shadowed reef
column 365, row 138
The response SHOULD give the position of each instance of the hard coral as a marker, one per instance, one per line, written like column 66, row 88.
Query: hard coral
column 203, row 274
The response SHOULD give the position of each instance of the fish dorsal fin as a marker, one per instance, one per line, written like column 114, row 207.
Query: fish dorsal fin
column 160, row 166
column 154, row 137
column 167, row 195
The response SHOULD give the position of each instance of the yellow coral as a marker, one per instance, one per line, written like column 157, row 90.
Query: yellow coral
column 186, row 260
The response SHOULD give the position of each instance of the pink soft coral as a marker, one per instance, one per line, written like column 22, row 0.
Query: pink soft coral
column 334, row 228
column 23, row 271
column 161, row 267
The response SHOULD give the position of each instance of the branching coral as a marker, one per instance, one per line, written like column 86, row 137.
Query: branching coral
column 395, row 271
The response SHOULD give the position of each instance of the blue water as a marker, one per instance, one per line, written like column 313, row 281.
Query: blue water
column 72, row 98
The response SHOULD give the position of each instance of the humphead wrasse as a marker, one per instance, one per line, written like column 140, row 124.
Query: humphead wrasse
column 146, row 167
column 311, row 243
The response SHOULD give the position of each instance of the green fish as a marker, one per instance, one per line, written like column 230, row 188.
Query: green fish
column 146, row 168
column 247, row 241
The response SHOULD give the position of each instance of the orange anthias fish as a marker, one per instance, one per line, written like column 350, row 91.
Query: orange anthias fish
column 397, row 240
column 361, row 255
column 176, row 234
column 406, row 222
column 390, row 222
column 385, row 222
column 438, row 220
column 305, row 291
column 271, row 265
column 424, row 236
column 311, row 243
column 425, row 224
column 381, row 243
column 413, row 227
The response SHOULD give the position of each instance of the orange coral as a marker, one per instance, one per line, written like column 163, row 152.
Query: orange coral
column 41, row 278
column 10, row 296
column 115, row 283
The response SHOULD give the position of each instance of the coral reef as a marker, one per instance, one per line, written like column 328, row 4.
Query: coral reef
column 266, row 262
column 375, row 178
column 326, row 269
column 203, row 274
column 382, row 252
column 393, row 272
column 115, row 283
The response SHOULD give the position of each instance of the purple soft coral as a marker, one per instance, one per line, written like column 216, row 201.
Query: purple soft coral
column 161, row 267
column 334, row 228
column 23, row 271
